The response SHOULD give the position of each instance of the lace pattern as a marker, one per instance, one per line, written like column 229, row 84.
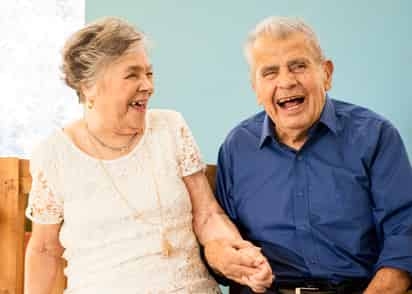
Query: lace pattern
column 44, row 207
column 189, row 159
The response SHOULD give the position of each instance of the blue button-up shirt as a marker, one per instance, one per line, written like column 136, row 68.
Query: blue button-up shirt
column 341, row 207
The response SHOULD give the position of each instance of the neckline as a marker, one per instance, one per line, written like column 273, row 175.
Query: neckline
column 74, row 147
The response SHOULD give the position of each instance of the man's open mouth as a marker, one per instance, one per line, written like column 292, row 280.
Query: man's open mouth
column 290, row 102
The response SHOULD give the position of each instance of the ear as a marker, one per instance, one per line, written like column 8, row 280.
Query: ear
column 88, row 91
column 328, row 72
column 252, row 78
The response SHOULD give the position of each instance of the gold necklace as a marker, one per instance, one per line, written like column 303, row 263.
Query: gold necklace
column 167, row 247
column 122, row 149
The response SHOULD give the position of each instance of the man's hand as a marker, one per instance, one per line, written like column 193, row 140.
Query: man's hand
column 239, row 261
column 390, row 281
column 263, row 279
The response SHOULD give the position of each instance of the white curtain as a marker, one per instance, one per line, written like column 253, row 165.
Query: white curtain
column 33, row 98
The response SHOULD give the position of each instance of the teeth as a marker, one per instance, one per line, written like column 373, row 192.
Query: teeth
column 286, row 99
column 137, row 103
column 283, row 100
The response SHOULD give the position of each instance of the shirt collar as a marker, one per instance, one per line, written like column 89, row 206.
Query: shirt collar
column 327, row 118
column 268, row 130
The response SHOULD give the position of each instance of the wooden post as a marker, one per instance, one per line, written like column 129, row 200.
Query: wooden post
column 12, row 224
column 211, row 176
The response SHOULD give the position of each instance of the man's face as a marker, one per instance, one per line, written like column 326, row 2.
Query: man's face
column 290, row 81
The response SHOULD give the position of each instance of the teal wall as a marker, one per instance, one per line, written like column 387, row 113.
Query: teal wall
column 200, row 70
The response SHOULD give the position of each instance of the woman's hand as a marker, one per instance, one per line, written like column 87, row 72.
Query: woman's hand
column 262, row 279
column 241, row 262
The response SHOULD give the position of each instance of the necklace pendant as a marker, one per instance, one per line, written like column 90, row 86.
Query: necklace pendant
column 136, row 216
column 167, row 248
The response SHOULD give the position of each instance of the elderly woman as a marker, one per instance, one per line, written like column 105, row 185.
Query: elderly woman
column 120, row 188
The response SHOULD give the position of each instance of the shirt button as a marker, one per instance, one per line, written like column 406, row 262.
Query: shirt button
column 299, row 157
column 304, row 227
column 299, row 194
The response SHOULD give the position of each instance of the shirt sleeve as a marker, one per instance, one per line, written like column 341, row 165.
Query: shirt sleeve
column 224, row 182
column 44, row 206
column 391, row 187
column 188, row 154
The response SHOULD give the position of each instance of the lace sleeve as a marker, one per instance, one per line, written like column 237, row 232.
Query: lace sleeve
column 44, row 206
column 189, row 158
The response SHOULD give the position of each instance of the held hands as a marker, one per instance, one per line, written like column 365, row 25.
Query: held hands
column 241, row 262
column 264, row 277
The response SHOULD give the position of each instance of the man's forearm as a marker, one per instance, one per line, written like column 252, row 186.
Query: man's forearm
column 389, row 281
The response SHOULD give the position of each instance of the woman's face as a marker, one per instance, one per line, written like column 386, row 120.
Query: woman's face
column 123, row 90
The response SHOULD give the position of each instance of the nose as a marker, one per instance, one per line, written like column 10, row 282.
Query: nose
column 146, row 85
column 286, row 79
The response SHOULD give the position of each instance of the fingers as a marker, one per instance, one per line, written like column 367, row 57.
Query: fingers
column 252, row 254
column 239, row 274
column 248, row 255
column 264, row 277
column 224, row 258
column 256, row 288
column 240, row 244
column 255, row 254
column 264, row 273
column 240, row 261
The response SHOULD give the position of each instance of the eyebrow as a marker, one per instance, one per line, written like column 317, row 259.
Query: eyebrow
column 138, row 68
column 297, row 61
column 269, row 68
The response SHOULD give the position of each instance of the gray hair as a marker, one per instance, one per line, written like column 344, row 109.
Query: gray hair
column 98, row 44
column 282, row 28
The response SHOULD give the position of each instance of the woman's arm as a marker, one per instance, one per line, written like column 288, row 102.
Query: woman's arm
column 42, row 259
column 209, row 220
column 225, row 249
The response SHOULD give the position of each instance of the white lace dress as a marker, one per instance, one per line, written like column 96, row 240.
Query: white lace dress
column 109, row 251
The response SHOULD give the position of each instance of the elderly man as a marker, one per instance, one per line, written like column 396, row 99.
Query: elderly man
column 324, row 187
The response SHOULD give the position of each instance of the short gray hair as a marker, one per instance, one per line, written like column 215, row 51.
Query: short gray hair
column 282, row 28
column 99, row 43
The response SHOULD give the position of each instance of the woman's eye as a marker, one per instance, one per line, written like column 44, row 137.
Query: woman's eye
column 130, row 76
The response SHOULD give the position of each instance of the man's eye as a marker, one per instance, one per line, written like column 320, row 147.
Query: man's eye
column 149, row 74
column 268, row 74
column 298, row 67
